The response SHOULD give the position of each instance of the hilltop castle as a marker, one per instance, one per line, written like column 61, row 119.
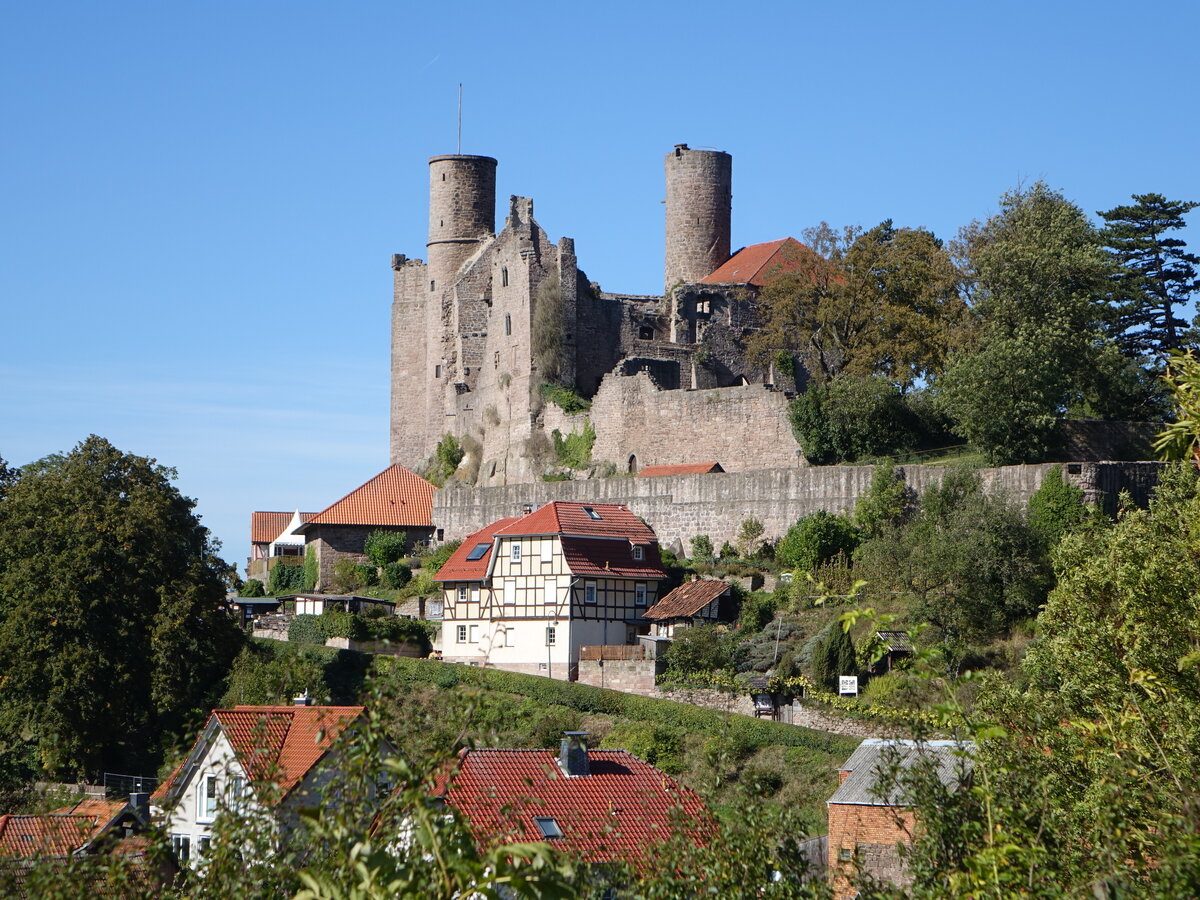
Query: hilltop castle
column 479, row 327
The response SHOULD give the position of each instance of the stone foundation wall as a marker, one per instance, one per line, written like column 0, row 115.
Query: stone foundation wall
column 633, row 676
column 682, row 506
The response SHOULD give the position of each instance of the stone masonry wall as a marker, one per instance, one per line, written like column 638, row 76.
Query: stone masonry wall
column 682, row 506
column 633, row 676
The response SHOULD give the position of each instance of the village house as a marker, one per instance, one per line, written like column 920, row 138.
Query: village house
column 700, row 602
column 274, row 541
column 526, row 593
column 396, row 499
column 607, row 806
column 869, row 815
column 263, row 756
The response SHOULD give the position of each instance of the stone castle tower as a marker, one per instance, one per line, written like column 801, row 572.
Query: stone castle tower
column 699, row 204
column 467, row 337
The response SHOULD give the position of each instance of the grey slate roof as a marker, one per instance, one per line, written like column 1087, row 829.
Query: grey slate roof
column 951, row 759
column 895, row 640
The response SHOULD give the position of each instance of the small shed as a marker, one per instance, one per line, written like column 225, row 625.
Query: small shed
column 315, row 604
column 700, row 602
column 250, row 608
column 897, row 645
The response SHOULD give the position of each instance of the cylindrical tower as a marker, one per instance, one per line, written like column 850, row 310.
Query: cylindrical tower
column 699, row 199
column 462, row 212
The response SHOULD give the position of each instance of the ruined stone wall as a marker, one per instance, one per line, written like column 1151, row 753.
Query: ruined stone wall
column 682, row 506
column 409, row 364
column 740, row 427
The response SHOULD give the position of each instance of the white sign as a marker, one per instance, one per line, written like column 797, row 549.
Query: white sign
column 848, row 684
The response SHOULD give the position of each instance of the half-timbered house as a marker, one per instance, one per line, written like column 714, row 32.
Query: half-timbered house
column 524, row 594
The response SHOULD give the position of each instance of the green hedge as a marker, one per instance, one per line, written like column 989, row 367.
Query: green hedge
column 305, row 629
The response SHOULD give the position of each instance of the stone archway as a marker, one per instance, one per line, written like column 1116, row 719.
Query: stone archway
column 633, row 464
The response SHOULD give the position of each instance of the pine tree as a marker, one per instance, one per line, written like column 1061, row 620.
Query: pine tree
column 1157, row 275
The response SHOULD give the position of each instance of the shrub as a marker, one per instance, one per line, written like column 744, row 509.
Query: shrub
column 312, row 569
column 305, row 629
column 850, row 418
column 1055, row 508
column 833, row 656
column 702, row 648
column 702, row 548
column 816, row 539
column 444, row 462
column 565, row 398
column 396, row 575
column 368, row 575
column 574, row 450
column 347, row 576
column 885, row 503
column 757, row 611
column 383, row 547
column 750, row 536
column 432, row 561
column 728, row 551
column 286, row 579
column 658, row 745
column 253, row 588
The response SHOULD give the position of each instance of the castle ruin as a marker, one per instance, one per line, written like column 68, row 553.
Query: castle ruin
column 490, row 318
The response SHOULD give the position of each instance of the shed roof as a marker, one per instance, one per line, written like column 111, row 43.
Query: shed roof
column 688, row 599
column 701, row 468
column 759, row 263
column 618, row 812
column 396, row 497
column 876, row 756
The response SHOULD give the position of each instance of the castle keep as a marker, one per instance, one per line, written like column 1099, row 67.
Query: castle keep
column 489, row 318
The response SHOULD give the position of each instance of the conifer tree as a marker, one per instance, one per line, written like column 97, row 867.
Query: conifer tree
column 1157, row 274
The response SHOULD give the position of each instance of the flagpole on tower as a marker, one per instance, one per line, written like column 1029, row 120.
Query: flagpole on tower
column 460, row 118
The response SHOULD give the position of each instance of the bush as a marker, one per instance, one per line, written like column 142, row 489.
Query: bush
column 432, row 561
column 383, row 547
column 702, row 548
column 816, row 539
column 565, row 398
column 444, row 462
column 702, row 648
column 305, row 629
column 396, row 575
column 1055, row 508
column 757, row 611
column 658, row 745
column 253, row 588
column 347, row 576
column 885, row 503
column 286, row 579
column 851, row 418
column 312, row 570
column 574, row 450
column 368, row 575
column 728, row 551
column 750, row 536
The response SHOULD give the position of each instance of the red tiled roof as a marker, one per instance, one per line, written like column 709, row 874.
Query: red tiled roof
column 54, row 834
column 687, row 599
column 282, row 743
column 563, row 517
column 616, row 813
column 161, row 792
column 459, row 568
column 759, row 263
column 611, row 559
column 396, row 496
column 266, row 526
column 681, row 469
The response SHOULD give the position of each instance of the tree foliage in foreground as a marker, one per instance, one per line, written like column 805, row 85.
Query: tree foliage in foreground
column 113, row 632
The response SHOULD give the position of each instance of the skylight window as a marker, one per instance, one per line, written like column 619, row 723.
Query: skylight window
column 548, row 827
column 479, row 551
column 592, row 514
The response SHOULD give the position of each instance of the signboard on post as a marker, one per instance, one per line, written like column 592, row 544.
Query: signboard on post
column 848, row 684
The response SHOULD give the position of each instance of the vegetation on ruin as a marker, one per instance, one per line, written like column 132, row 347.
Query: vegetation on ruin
column 444, row 462
column 575, row 449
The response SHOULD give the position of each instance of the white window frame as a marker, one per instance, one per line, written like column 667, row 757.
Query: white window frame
column 514, row 553
column 549, row 592
column 181, row 842
column 460, row 634
column 591, row 595
column 206, row 798
column 464, row 593
column 639, row 595
column 510, row 592
column 637, row 553
column 547, row 550
column 473, row 634
column 551, row 636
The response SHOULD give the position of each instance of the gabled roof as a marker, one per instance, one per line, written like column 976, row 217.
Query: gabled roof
column 618, row 812
column 609, row 520
column 759, row 263
column 877, row 756
column 687, row 599
column 459, row 567
column 272, row 743
column 702, row 468
column 611, row 559
column 266, row 526
column 394, row 497
column 54, row 834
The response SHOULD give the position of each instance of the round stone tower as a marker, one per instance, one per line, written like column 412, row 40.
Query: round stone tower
column 699, row 199
column 462, row 212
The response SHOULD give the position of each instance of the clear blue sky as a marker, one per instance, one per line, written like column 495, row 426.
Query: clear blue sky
column 198, row 200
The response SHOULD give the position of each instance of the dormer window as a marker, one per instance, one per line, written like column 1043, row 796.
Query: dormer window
column 592, row 514
column 548, row 827
column 638, row 553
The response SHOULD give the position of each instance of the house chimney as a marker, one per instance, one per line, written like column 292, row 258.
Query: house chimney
column 141, row 803
column 526, row 509
column 301, row 700
column 573, row 754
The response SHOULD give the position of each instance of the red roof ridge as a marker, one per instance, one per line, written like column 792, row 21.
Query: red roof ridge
column 397, row 496
column 757, row 263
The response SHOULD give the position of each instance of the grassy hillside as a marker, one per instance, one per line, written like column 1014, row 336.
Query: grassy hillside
column 733, row 761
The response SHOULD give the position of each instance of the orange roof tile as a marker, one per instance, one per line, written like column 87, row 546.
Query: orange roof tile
column 687, row 599
column 612, row 559
column 54, row 834
column 681, row 469
column 266, row 526
column 282, row 743
column 459, row 568
column 759, row 263
column 617, row 812
column 396, row 497
column 610, row 520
